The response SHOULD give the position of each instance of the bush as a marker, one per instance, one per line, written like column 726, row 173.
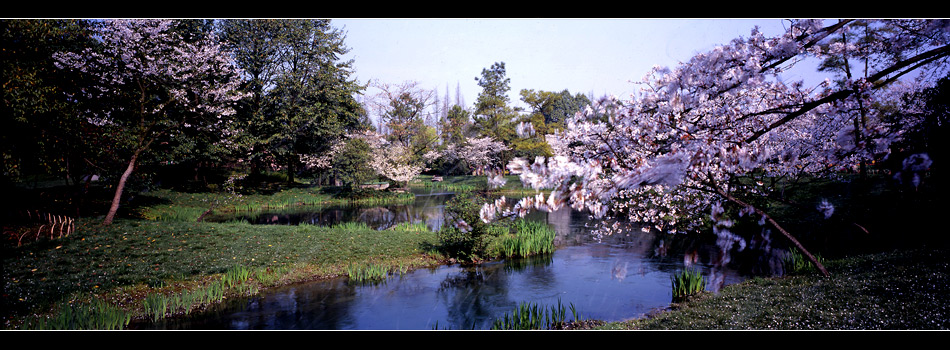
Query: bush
column 351, row 165
column 463, row 237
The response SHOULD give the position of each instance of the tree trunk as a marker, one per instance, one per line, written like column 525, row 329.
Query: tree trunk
column 118, row 190
column 780, row 229
column 290, row 170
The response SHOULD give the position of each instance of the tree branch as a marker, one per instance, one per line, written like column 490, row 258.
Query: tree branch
column 779, row 228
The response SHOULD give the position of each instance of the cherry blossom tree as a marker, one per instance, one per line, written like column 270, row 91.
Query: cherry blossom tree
column 150, row 83
column 480, row 154
column 389, row 159
column 682, row 144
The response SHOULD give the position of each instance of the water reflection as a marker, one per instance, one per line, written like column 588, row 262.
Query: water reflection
column 618, row 277
column 455, row 297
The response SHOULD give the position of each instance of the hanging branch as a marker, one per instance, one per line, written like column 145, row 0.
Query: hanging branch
column 772, row 221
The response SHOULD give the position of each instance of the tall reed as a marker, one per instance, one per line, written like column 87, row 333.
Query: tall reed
column 367, row 273
column 450, row 186
column 533, row 316
column 530, row 238
column 269, row 276
column 686, row 283
column 352, row 226
column 95, row 315
column 796, row 263
column 235, row 275
column 410, row 226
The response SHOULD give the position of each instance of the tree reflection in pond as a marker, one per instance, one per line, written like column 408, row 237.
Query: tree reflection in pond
column 614, row 278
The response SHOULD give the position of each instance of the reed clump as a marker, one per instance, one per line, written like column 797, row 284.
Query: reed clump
column 686, row 283
column 796, row 263
column 96, row 314
column 529, row 238
column 367, row 273
column 237, row 280
column 531, row 316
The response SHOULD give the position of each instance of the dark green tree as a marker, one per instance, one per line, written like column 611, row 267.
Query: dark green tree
column 553, row 106
column 493, row 116
column 565, row 107
column 42, row 133
column 313, row 99
column 256, row 45
column 351, row 164
column 456, row 125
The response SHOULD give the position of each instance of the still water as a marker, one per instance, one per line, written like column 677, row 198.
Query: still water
column 619, row 277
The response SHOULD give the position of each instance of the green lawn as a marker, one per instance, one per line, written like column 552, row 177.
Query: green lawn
column 158, row 247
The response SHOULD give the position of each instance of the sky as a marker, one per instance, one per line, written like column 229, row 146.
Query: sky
column 588, row 56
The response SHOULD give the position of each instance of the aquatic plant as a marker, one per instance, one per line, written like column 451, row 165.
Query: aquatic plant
column 451, row 186
column 268, row 276
column 174, row 213
column 371, row 196
column 352, row 226
column 410, row 226
column 796, row 263
column 95, row 315
column 236, row 275
column 686, row 283
column 451, row 183
column 155, row 306
column 531, row 237
column 367, row 273
column 533, row 316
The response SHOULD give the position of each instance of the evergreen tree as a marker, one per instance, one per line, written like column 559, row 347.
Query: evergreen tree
column 492, row 116
column 42, row 134
column 303, row 99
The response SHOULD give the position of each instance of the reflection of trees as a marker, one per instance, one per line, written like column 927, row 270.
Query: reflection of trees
column 311, row 306
column 535, row 270
column 376, row 217
column 318, row 305
column 472, row 294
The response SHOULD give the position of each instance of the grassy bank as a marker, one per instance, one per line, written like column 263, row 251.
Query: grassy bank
column 132, row 259
column 902, row 289
column 167, row 205
column 512, row 187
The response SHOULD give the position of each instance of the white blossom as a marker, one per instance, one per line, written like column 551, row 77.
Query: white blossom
column 673, row 149
column 826, row 208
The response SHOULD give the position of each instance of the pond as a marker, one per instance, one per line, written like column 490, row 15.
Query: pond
column 616, row 278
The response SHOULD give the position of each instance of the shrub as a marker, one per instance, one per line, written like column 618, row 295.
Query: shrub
column 463, row 237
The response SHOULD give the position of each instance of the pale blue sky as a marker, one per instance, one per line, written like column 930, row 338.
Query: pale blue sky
column 599, row 56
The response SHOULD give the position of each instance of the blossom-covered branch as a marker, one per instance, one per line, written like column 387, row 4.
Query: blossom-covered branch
column 677, row 146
